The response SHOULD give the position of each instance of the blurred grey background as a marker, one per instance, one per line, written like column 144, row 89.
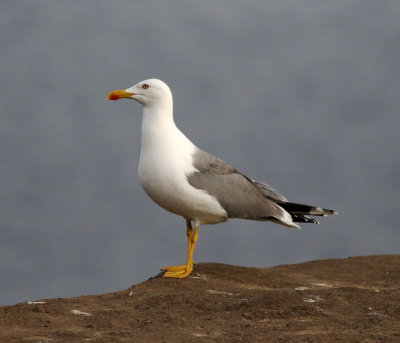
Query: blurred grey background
column 301, row 94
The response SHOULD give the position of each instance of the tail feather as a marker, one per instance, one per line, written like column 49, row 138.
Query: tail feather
column 294, row 208
column 300, row 212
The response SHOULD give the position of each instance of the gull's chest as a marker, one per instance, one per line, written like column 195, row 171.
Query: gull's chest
column 166, row 158
column 162, row 169
column 162, row 173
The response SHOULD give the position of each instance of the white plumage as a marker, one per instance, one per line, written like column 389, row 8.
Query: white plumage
column 188, row 181
column 166, row 158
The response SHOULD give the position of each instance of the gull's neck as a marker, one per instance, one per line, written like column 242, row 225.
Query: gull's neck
column 160, row 114
column 159, row 129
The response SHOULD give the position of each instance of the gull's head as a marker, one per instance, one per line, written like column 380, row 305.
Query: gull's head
column 149, row 93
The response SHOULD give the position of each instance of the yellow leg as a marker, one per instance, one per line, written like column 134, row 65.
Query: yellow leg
column 184, row 270
column 189, row 234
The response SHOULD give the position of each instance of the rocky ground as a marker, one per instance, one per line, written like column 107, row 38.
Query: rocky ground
column 344, row 300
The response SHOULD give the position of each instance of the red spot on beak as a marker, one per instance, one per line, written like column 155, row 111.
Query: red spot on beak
column 113, row 97
column 119, row 94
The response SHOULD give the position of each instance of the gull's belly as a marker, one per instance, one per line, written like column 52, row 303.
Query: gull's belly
column 167, row 185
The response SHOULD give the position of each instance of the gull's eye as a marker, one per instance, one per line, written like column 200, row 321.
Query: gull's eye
column 145, row 86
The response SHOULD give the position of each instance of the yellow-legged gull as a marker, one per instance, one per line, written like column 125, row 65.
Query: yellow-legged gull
column 188, row 181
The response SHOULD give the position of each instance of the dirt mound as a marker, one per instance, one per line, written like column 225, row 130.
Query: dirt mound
column 347, row 300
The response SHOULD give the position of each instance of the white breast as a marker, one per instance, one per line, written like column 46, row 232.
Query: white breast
column 165, row 160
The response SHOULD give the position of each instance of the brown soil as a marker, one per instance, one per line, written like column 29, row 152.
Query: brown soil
column 347, row 300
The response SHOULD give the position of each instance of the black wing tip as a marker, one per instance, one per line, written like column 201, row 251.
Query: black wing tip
column 301, row 209
column 303, row 219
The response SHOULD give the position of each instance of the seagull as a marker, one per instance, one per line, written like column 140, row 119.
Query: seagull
column 187, row 181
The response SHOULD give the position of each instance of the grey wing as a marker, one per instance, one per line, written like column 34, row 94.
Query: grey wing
column 243, row 197
column 240, row 196
column 269, row 192
column 209, row 164
column 237, row 196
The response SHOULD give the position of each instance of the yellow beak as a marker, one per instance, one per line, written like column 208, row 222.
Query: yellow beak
column 119, row 94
